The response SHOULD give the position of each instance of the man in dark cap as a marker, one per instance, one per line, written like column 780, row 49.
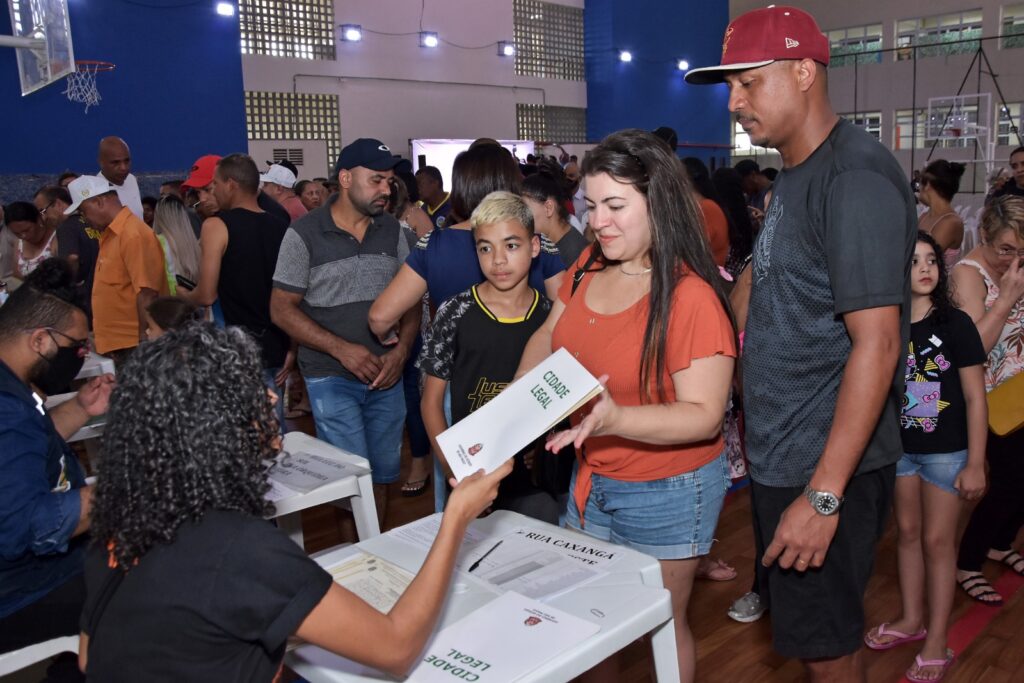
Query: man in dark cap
column 334, row 262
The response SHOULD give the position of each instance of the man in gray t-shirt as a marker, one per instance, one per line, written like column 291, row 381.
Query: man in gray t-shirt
column 333, row 263
column 827, row 318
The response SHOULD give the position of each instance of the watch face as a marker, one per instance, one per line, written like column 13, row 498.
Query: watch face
column 826, row 503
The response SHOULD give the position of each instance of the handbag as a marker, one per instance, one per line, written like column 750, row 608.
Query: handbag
column 1006, row 406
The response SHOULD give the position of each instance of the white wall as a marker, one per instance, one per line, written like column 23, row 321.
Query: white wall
column 391, row 89
column 887, row 86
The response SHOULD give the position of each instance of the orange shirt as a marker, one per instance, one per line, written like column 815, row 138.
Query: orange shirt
column 699, row 327
column 130, row 259
column 717, row 227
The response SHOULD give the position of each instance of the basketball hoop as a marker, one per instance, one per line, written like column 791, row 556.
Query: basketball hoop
column 82, row 82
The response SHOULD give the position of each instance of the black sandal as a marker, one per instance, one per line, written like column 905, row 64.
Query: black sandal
column 1014, row 561
column 411, row 489
column 978, row 588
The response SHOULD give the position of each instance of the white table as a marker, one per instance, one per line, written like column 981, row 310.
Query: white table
column 627, row 602
column 95, row 365
column 354, row 492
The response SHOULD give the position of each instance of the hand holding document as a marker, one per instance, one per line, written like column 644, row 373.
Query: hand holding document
column 527, row 408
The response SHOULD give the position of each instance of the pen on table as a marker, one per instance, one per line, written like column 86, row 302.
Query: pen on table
column 484, row 556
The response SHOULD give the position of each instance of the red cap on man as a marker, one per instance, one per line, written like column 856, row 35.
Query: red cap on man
column 201, row 173
column 763, row 36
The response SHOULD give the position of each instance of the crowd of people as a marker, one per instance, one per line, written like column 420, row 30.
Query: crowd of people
column 841, row 350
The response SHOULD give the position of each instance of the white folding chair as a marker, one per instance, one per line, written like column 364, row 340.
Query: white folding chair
column 27, row 656
column 354, row 492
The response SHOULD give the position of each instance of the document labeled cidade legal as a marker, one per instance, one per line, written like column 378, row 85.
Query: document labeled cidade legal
column 513, row 419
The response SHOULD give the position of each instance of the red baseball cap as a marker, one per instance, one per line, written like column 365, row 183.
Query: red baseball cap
column 763, row 36
column 201, row 173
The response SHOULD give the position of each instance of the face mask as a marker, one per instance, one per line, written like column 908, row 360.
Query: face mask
column 60, row 369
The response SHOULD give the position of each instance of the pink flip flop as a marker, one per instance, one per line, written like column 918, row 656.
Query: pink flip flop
column 899, row 637
column 921, row 663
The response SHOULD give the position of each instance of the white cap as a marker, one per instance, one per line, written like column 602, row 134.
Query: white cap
column 85, row 187
column 279, row 175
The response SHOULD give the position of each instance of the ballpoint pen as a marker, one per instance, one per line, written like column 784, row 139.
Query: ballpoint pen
column 484, row 557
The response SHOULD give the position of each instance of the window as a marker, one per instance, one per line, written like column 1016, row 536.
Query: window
column 858, row 44
column 293, row 116
column 939, row 35
column 905, row 136
column 1012, row 26
column 302, row 29
column 871, row 121
column 544, row 123
column 1009, row 116
column 549, row 40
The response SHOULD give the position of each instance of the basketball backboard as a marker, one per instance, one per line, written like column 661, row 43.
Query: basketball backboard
column 42, row 37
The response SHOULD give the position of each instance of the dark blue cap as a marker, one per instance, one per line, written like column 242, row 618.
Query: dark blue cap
column 368, row 153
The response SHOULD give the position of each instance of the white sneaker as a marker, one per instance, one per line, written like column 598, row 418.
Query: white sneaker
column 747, row 608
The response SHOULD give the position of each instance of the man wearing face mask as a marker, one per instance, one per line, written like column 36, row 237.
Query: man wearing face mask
column 44, row 502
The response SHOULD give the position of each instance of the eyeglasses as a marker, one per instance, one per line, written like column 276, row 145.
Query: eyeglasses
column 47, row 207
column 80, row 345
column 1007, row 252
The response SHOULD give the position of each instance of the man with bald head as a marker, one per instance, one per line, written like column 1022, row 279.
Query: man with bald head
column 828, row 319
column 115, row 162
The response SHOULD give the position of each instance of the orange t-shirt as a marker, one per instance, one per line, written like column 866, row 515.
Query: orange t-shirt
column 717, row 227
column 699, row 327
column 130, row 259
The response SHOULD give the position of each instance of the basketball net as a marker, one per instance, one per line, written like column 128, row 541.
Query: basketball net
column 82, row 86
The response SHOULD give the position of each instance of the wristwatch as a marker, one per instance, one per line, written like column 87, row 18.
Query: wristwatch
column 824, row 502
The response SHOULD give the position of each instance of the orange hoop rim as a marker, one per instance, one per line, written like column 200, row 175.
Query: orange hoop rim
column 93, row 65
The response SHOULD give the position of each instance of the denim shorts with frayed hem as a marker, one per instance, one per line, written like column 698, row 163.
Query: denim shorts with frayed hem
column 670, row 519
column 937, row 469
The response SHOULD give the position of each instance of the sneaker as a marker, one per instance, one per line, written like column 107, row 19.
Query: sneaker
column 747, row 608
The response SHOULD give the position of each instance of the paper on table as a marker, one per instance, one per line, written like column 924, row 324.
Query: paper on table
column 528, row 567
column 278, row 491
column 531, row 634
column 513, row 419
column 422, row 533
column 304, row 472
column 374, row 579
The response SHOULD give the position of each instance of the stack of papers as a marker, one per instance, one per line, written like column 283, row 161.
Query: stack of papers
column 531, row 634
column 374, row 579
column 513, row 419
column 304, row 472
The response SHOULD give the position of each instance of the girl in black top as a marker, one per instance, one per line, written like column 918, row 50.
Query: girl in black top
column 944, row 425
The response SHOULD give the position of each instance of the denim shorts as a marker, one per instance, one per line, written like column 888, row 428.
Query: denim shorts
column 670, row 519
column 938, row 469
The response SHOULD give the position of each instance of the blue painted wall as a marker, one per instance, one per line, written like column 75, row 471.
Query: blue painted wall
column 176, row 93
column 649, row 91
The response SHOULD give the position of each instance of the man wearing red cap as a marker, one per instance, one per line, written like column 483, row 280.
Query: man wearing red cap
column 827, row 320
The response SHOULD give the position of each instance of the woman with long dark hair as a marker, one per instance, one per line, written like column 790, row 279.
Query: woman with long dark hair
column 939, row 183
column 186, row 580
column 650, row 318
column 546, row 193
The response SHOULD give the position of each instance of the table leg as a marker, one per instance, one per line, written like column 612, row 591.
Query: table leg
column 663, row 648
column 364, row 511
column 292, row 525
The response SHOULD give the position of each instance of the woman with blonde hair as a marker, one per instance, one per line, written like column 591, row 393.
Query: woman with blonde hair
column 181, row 248
column 989, row 287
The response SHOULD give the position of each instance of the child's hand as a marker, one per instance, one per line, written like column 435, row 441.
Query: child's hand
column 971, row 482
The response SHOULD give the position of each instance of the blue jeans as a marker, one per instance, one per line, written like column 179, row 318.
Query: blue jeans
column 368, row 423
column 440, row 482
column 938, row 469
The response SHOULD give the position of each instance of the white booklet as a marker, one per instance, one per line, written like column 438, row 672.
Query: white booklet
column 513, row 419
column 500, row 642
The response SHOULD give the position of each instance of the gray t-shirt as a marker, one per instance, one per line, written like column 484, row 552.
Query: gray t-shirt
column 339, row 278
column 838, row 237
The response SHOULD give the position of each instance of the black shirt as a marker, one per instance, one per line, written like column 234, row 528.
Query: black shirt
column 934, row 416
column 74, row 238
column 838, row 237
column 439, row 215
column 478, row 354
column 216, row 604
column 246, row 278
column 571, row 246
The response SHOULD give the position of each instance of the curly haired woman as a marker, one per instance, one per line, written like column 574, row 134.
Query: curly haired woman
column 187, row 581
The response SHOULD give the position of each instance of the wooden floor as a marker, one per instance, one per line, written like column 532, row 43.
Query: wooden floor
column 728, row 651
